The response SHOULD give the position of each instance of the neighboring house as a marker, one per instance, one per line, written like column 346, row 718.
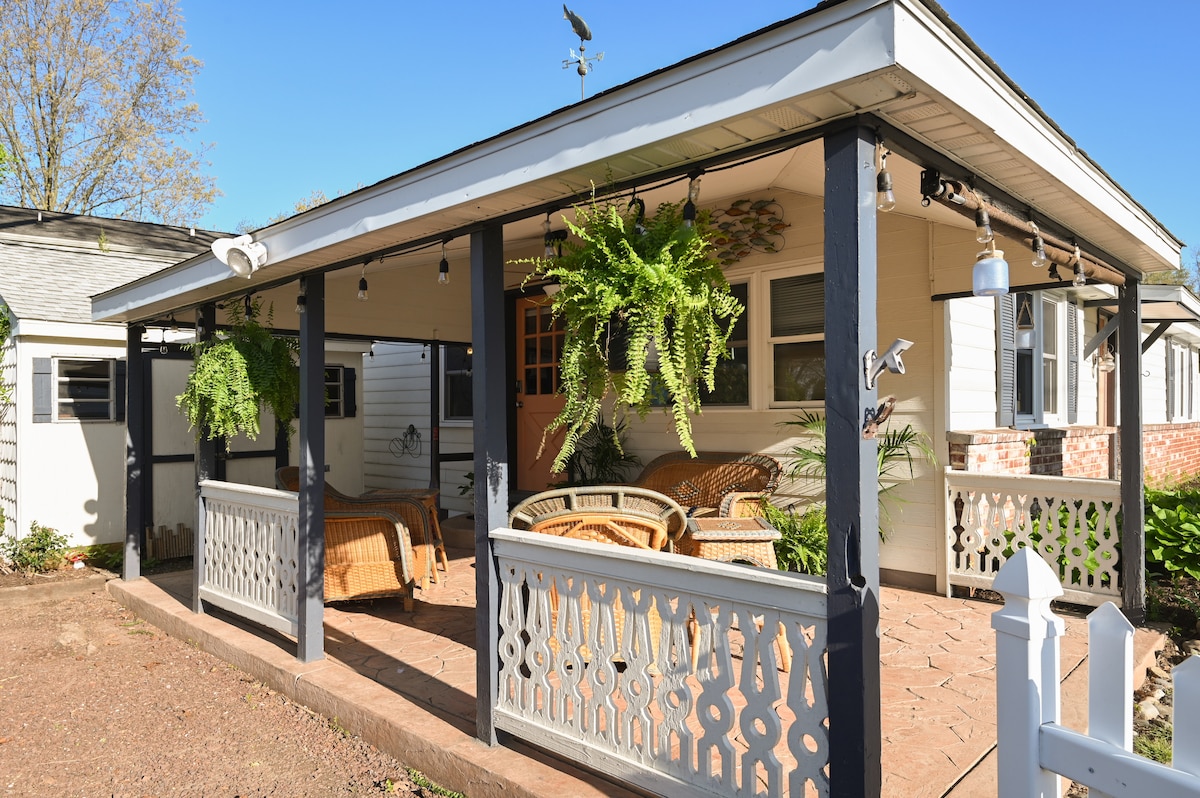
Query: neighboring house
column 62, row 439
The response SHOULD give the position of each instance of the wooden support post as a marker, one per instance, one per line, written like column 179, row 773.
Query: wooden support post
column 490, row 396
column 851, row 472
column 206, row 462
column 1133, row 500
column 311, row 549
column 137, row 459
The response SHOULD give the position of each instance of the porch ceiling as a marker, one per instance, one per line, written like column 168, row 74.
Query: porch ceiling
column 895, row 59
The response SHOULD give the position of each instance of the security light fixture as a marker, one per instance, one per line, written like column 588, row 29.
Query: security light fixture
column 243, row 255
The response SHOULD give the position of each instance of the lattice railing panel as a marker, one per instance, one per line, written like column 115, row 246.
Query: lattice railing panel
column 1071, row 523
column 250, row 552
column 596, row 662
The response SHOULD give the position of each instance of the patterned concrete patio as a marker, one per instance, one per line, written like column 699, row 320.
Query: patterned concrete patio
column 406, row 682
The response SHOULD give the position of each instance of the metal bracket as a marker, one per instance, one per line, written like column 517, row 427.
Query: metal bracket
column 874, row 416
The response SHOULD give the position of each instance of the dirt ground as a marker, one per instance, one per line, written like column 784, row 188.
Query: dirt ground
column 95, row 702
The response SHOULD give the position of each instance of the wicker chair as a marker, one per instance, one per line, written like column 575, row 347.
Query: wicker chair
column 622, row 516
column 727, row 484
column 412, row 507
column 367, row 555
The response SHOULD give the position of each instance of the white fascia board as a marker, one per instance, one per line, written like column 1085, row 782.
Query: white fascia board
column 818, row 51
column 955, row 72
column 81, row 331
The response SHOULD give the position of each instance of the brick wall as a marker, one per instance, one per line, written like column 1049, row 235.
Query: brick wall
column 1171, row 451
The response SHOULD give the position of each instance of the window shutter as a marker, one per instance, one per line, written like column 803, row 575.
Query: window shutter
column 1170, row 380
column 1072, row 363
column 1006, row 360
column 43, row 390
column 349, row 393
column 119, row 391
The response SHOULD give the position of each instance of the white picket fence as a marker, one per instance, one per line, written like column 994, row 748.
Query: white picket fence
column 1034, row 750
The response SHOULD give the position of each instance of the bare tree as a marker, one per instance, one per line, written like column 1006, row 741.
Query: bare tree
column 96, row 110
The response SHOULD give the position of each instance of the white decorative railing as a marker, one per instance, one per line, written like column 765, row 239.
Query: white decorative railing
column 248, row 565
column 596, row 665
column 1071, row 523
column 1032, row 748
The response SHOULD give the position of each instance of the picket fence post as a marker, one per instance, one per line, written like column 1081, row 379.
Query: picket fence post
column 1110, row 679
column 1185, row 680
column 1027, row 668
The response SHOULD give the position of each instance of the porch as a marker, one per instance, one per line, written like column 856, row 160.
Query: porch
column 406, row 683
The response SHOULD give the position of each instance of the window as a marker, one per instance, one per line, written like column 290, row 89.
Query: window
column 334, row 392
column 83, row 390
column 1181, row 365
column 1038, row 360
column 797, row 338
column 456, row 383
column 732, row 378
column 340, row 393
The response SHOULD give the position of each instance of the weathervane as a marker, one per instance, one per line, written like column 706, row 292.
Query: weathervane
column 580, row 61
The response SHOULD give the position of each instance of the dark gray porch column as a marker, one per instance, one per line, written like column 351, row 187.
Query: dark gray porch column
column 1133, row 500
column 851, row 486
column 206, row 462
column 136, row 456
column 491, row 396
column 311, row 553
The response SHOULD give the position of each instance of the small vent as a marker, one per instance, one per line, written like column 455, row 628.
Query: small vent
column 912, row 113
column 789, row 118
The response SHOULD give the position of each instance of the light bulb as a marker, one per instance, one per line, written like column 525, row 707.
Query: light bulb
column 1039, row 252
column 885, row 198
column 1080, row 279
column 444, row 272
column 301, row 303
column 362, row 289
column 983, row 225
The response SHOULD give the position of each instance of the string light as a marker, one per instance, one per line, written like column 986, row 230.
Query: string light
column 444, row 266
column 885, row 197
column 983, row 225
column 693, row 194
column 1039, row 247
column 362, row 284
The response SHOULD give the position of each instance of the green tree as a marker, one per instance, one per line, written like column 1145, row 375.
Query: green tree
column 96, row 110
column 1188, row 275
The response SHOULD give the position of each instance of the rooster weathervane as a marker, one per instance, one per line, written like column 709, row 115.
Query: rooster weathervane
column 581, row 61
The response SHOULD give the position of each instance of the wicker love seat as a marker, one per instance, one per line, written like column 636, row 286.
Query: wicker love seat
column 367, row 555
column 727, row 484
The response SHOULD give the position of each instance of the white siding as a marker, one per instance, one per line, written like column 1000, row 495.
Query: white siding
column 1154, row 383
column 8, row 432
column 396, row 394
column 971, row 377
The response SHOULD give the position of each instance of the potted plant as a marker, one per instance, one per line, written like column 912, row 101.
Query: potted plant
column 237, row 375
column 632, row 288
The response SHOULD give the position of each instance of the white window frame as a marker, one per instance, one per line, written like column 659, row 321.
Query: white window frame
column 335, row 408
column 1059, row 304
column 57, row 379
column 443, row 393
column 1181, row 381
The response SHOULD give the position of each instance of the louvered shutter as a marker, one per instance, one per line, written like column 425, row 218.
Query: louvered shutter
column 119, row 391
column 349, row 393
column 1006, row 360
column 1072, row 363
column 43, row 390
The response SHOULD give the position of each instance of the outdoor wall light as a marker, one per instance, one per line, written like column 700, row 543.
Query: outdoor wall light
column 444, row 266
column 242, row 255
column 885, row 197
column 362, row 285
column 990, row 275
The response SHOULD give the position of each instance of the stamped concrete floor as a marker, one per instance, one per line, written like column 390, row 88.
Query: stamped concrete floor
column 937, row 684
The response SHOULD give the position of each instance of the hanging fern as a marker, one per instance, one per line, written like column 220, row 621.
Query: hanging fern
column 236, row 376
column 657, row 282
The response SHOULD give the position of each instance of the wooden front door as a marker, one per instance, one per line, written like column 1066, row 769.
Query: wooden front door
column 539, row 347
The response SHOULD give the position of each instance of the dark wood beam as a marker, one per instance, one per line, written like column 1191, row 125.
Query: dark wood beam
column 136, row 463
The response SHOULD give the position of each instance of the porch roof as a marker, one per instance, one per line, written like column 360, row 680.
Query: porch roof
column 903, row 62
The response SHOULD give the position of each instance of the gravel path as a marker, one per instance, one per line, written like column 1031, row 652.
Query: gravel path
column 95, row 702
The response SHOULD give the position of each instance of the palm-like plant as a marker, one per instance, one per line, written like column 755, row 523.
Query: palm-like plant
column 899, row 449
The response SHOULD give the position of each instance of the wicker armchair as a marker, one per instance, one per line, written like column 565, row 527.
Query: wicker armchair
column 412, row 507
column 367, row 555
column 622, row 516
column 727, row 484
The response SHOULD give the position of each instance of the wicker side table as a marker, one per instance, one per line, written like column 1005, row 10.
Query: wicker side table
column 748, row 540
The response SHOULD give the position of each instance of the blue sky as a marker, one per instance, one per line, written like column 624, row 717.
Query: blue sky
column 299, row 98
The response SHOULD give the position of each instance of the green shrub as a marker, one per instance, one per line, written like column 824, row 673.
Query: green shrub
column 41, row 550
column 1173, row 532
column 804, row 538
